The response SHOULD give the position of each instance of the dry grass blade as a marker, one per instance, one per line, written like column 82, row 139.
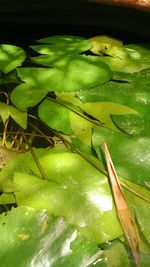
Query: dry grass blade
column 33, row 153
column 122, row 207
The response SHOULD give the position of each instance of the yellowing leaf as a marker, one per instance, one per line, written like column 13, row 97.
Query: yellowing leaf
column 102, row 42
column 99, row 110
column 16, row 115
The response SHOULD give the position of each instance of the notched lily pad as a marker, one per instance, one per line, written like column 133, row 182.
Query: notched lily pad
column 67, row 73
column 7, row 111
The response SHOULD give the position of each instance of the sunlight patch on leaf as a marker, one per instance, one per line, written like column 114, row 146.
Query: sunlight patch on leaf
column 39, row 239
column 10, row 57
column 7, row 199
column 55, row 116
column 62, row 44
column 69, row 73
column 19, row 117
column 101, row 43
column 131, row 155
column 76, row 190
column 101, row 111
column 128, row 89
column 130, row 58
column 132, row 124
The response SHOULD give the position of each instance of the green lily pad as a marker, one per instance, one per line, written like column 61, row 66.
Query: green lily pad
column 62, row 44
column 38, row 239
column 76, row 191
column 6, row 155
column 7, row 111
column 131, row 90
column 69, row 73
column 9, row 78
column 17, row 162
column 55, row 116
column 143, row 214
column 139, row 52
column 130, row 155
column 101, row 43
column 132, row 124
column 147, row 184
column 10, row 57
column 7, row 199
column 117, row 255
column 130, row 58
column 99, row 110
column 76, row 119
column 141, row 210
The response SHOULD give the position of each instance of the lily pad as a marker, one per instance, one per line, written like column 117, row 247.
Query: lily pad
column 131, row 90
column 55, row 116
column 38, row 239
column 62, row 44
column 7, row 111
column 7, row 199
column 132, row 124
column 69, row 73
column 130, row 58
column 139, row 52
column 16, row 162
column 10, row 57
column 9, row 78
column 130, row 155
column 101, row 43
column 101, row 111
column 76, row 191
column 143, row 214
column 79, row 120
